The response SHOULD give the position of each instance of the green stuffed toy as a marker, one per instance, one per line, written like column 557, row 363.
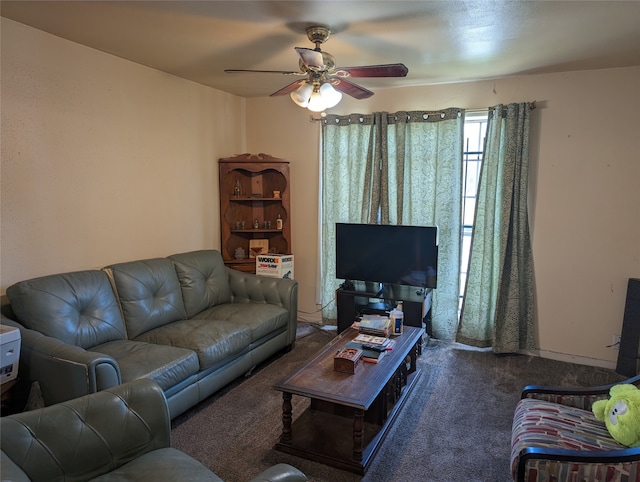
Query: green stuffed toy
column 621, row 414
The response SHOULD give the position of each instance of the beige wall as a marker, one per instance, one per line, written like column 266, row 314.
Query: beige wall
column 104, row 160
column 281, row 128
column 585, row 178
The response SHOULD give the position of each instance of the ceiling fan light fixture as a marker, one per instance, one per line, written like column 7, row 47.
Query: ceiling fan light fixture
column 316, row 102
column 316, row 97
column 302, row 94
column 330, row 95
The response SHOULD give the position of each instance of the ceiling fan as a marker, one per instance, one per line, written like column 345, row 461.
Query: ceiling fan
column 323, row 83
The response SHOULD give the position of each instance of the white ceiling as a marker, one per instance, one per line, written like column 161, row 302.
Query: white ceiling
column 439, row 41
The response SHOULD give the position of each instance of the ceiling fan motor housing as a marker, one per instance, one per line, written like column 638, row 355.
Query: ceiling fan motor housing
column 318, row 34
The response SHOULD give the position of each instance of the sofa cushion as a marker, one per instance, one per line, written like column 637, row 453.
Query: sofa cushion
column 148, row 292
column 213, row 340
column 166, row 365
column 77, row 308
column 539, row 423
column 203, row 279
column 163, row 464
column 260, row 318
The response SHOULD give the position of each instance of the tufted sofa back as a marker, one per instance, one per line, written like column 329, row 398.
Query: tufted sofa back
column 123, row 300
column 77, row 308
column 203, row 279
column 148, row 292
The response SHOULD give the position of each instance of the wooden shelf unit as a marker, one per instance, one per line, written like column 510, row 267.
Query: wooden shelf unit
column 247, row 186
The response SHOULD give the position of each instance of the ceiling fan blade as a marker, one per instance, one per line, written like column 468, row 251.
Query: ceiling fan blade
column 351, row 89
column 242, row 71
column 289, row 88
column 310, row 57
column 385, row 70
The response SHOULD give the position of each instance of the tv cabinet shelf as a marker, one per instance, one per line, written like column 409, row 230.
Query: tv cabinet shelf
column 352, row 300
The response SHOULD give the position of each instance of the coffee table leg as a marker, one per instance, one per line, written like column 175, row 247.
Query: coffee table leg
column 358, row 434
column 286, row 417
column 413, row 355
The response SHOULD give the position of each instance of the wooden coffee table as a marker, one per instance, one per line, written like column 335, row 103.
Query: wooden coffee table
column 349, row 414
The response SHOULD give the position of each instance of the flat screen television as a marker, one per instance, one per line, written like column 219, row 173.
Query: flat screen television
column 388, row 254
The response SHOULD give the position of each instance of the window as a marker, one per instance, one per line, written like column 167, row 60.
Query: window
column 475, row 128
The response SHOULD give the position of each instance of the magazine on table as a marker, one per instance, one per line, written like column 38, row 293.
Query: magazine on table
column 366, row 339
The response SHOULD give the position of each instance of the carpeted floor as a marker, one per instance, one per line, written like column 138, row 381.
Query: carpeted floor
column 456, row 425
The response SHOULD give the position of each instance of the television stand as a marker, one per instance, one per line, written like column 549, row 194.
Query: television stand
column 361, row 297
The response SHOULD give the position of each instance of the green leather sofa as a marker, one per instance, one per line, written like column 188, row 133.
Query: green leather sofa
column 186, row 321
column 121, row 433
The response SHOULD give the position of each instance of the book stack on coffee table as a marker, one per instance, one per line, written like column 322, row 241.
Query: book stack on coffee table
column 373, row 347
column 376, row 325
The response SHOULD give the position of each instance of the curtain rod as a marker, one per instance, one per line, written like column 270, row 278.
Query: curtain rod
column 532, row 106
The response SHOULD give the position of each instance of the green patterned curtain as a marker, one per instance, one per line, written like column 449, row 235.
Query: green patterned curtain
column 350, row 180
column 425, row 189
column 418, row 159
column 498, row 301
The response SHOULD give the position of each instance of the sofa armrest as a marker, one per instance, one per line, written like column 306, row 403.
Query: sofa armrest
column 277, row 291
column 89, row 436
column 280, row 473
column 10, row 471
column 63, row 371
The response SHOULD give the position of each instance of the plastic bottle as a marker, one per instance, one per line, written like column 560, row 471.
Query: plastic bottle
column 279, row 222
column 397, row 319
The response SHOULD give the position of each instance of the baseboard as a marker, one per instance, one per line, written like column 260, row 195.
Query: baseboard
column 580, row 360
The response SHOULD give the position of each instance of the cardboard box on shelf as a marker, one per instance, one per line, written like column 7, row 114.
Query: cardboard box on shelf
column 275, row 265
column 9, row 352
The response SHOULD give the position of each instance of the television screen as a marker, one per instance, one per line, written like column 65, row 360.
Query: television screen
column 400, row 255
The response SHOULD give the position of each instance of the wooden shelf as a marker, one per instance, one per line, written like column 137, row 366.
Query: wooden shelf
column 253, row 231
column 247, row 185
column 241, row 199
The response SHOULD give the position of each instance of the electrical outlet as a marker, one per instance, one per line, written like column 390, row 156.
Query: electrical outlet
column 616, row 342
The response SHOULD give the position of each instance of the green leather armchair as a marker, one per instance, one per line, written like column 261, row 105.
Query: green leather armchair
column 121, row 433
